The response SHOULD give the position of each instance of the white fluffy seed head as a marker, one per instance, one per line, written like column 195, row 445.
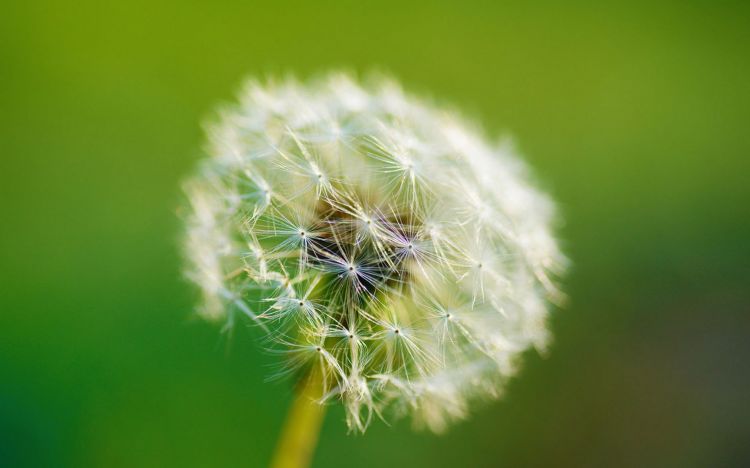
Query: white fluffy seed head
column 375, row 237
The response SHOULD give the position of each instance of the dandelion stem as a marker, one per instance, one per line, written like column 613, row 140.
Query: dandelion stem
column 300, row 433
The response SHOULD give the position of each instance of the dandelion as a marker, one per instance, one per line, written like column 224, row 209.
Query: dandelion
column 396, row 261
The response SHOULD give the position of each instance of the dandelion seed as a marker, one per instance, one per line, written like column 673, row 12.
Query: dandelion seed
column 380, row 242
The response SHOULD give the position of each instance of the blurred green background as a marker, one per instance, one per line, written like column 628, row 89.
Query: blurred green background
column 634, row 115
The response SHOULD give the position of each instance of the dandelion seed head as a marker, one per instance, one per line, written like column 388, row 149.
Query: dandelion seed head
column 376, row 237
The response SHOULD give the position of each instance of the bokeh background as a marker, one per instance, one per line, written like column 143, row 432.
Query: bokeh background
column 634, row 115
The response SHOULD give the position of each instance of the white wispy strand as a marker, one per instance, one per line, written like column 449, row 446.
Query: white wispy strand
column 377, row 237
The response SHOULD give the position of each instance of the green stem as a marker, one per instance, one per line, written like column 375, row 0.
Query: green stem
column 300, row 433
